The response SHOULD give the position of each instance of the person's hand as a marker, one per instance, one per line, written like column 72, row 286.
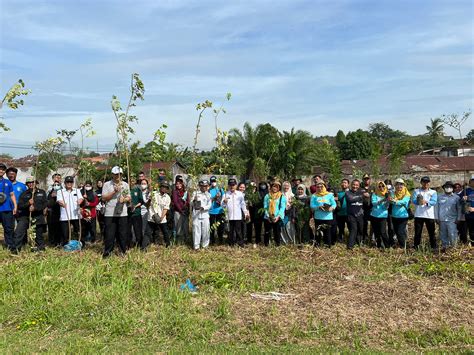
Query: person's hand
column 116, row 188
column 87, row 203
column 15, row 211
column 471, row 209
column 122, row 199
column 464, row 198
column 30, row 201
column 366, row 194
column 32, row 208
column 277, row 218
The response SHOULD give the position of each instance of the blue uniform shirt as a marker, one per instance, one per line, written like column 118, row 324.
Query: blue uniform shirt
column 7, row 188
column 18, row 189
column 216, row 207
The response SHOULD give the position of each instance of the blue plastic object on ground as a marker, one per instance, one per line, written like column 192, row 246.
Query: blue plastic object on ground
column 188, row 286
column 73, row 245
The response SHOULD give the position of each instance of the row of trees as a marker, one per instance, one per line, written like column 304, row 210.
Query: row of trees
column 253, row 151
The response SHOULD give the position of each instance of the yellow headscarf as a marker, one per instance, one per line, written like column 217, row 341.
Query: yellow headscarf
column 323, row 192
column 383, row 192
column 274, row 199
column 399, row 195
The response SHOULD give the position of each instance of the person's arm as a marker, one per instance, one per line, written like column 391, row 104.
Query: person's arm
column 208, row 204
column 109, row 191
column 13, row 198
column 313, row 204
column 95, row 202
column 266, row 203
column 243, row 205
column 23, row 201
column 60, row 199
column 281, row 212
column 166, row 207
column 80, row 199
column 332, row 202
column 433, row 200
column 414, row 199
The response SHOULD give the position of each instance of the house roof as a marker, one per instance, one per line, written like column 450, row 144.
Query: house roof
column 165, row 165
column 414, row 164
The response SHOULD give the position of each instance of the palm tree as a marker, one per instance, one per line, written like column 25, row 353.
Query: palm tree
column 435, row 130
column 244, row 145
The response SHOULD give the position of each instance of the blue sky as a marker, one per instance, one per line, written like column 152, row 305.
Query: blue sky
column 314, row 65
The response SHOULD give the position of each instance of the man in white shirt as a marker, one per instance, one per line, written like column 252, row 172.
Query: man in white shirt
column 69, row 199
column 159, row 207
column 234, row 201
column 425, row 200
column 116, row 195
column 201, row 202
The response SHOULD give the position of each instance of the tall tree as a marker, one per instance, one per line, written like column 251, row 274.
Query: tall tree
column 435, row 130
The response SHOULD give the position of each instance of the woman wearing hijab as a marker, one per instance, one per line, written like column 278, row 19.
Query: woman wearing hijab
column 302, row 214
column 89, row 213
column 274, row 204
column 400, row 200
column 288, row 229
column 379, row 214
column 180, row 201
column 323, row 204
column 259, row 217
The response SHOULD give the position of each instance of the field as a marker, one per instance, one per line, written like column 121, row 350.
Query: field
column 364, row 300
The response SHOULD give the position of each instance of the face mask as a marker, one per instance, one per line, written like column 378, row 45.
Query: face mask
column 263, row 187
column 144, row 187
column 389, row 187
column 448, row 190
column 88, row 188
column 213, row 184
column 56, row 187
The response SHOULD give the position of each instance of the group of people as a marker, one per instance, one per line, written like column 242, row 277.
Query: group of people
column 136, row 216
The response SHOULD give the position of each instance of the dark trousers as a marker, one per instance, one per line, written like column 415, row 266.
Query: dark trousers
column 470, row 227
column 217, row 225
column 258, row 222
column 54, row 230
column 8, row 223
column 88, row 230
column 235, row 233
column 356, row 229
column 115, row 228
column 341, row 225
column 400, row 230
column 366, row 230
column 325, row 230
column 137, row 225
column 21, row 229
column 152, row 234
column 430, row 227
column 462, row 231
column 274, row 228
column 101, row 222
column 65, row 231
column 379, row 225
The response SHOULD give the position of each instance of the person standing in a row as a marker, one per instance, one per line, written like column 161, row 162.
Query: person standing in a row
column 32, row 203
column 425, row 200
column 70, row 200
column 116, row 195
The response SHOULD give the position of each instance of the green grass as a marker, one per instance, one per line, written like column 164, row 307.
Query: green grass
column 59, row 302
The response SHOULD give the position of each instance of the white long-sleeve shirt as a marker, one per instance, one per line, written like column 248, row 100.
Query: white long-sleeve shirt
column 205, row 201
column 235, row 203
column 71, row 199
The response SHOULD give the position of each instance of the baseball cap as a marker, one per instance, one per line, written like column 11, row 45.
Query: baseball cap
column 400, row 181
column 117, row 170
column 425, row 179
column 69, row 179
column 203, row 183
column 232, row 181
column 366, row 176
column 213, row 179
column 29, row 179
